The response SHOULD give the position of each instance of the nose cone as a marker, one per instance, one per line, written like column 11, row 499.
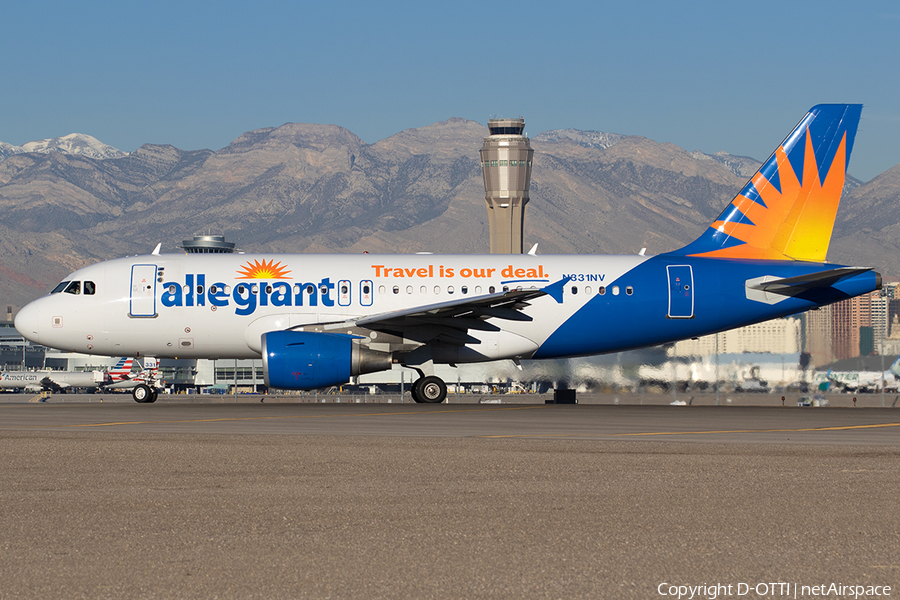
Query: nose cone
column 28, row 322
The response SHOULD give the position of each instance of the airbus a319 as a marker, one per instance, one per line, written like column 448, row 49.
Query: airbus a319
column 320, row 320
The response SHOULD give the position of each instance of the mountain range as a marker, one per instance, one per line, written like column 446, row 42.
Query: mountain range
column 72, row 201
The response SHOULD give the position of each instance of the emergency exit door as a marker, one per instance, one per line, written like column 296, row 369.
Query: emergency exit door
column 681, row 292
column 143, row 291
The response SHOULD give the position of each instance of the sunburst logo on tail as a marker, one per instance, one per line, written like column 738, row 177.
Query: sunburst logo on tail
column 793, row 219
column 787, row 210
column 263, row 270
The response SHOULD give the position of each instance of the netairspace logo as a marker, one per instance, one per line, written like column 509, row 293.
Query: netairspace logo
column 714, row 591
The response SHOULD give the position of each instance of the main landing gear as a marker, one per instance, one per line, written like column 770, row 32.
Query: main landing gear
column 430, row 389
column 144, row 394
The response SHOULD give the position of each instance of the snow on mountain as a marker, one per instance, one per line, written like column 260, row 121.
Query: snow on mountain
column 74, row 143
column 589, row 139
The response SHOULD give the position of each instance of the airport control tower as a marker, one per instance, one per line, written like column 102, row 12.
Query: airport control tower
column 506, row 165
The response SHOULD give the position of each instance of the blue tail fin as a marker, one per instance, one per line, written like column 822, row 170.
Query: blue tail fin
column 787, row 209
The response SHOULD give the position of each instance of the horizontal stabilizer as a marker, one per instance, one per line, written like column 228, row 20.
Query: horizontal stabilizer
column 793, row 286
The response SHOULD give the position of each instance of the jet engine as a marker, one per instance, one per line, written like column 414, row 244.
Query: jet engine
column 305, row 360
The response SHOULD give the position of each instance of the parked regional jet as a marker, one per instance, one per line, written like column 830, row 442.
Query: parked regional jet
column 859, row 381
column 55, row 381
column 320, row 320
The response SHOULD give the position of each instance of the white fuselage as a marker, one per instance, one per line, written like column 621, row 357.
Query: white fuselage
column 217, row 306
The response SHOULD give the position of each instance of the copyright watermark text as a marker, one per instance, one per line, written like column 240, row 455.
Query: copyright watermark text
column 778, row 589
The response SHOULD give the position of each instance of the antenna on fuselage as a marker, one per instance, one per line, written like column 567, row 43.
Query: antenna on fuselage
column 156, row 250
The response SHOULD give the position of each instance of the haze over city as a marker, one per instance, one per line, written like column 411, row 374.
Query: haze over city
column 704, row 76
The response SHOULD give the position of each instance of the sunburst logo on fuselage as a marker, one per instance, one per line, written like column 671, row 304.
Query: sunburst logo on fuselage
column 263, row 270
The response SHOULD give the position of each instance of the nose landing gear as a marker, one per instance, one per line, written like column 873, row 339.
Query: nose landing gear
column 144, row 394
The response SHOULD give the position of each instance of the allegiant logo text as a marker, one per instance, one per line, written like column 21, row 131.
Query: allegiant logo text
column 246, row 296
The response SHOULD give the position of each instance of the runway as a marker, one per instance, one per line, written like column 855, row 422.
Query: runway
column 789, row 425
column 452, row 501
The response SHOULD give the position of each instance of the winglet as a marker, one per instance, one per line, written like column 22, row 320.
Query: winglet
column 555, row 290
column 156, row 250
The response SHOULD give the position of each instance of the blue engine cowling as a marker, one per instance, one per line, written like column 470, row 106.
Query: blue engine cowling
column 305, row 360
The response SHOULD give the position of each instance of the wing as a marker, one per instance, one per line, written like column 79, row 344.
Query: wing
column 49, row 384
column 451, row 321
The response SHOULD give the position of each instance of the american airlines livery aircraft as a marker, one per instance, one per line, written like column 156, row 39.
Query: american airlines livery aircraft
column 320, row 320
column 56, row 381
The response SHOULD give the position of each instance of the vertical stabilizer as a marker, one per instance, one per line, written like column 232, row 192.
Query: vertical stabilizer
column 787, row 209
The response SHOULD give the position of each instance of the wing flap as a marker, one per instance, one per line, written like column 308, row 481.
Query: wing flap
column 451, row 321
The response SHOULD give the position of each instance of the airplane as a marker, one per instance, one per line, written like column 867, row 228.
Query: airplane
column 321, row 320
column 121, row 371
column 859, row 381
column 55, row 381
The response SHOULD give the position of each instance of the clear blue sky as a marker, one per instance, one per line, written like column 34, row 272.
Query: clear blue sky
column 703, row 75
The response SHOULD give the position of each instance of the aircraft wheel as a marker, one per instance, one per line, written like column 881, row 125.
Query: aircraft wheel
column 414, row 391
column 154, row 394
column 142, row 393
column 431, row 389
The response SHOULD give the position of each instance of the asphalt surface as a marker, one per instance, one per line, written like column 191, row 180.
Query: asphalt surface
column 188, row 500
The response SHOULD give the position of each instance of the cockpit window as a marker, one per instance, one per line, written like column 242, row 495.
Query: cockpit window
column 89, row 288
column 60, row 287
column 74, row 288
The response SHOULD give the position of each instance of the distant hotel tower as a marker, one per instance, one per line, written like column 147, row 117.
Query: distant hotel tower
column 506, row 165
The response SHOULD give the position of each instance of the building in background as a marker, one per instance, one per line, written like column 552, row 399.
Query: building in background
column 778, row 336
column 207, row 244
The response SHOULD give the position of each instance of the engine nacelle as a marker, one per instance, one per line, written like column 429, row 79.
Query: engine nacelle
column 305, row 360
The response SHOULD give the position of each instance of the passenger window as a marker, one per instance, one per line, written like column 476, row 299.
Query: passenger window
column 601, row 290
column 89, row 288
column 449, row 289
column 587, row 290
column 491, row 290
column 423, row 290
column 199, row 290
column 74, row 288
column 396, row 289
column 409, row 289
column 464, row 289
column 60, row 287
column 629, row 290
column 574, row 289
